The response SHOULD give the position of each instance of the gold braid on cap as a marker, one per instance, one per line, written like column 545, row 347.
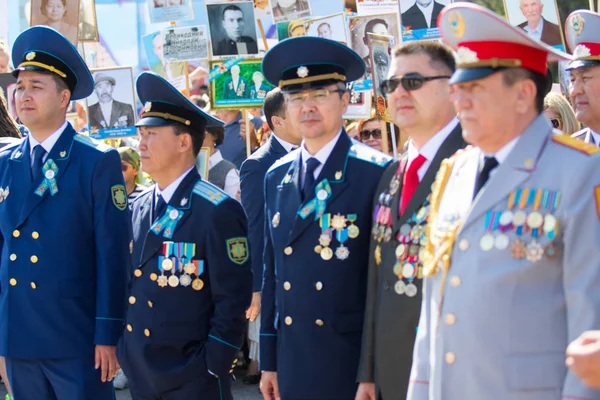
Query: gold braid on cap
column 167, row 116
column 45, row 66
column 492, row 62
column 315, row 78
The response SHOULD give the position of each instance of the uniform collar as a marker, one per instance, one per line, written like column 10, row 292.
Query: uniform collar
column 286, row 145
column 323, row 154
column 50, row 141
column 503, row 153
column 168, row 192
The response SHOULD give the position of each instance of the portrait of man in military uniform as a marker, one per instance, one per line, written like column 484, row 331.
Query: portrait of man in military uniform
column 107, row 111
column 232, row 28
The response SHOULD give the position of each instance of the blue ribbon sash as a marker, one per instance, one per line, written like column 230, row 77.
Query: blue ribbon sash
column 167, row 223
column 319, row 202
column 49, row 183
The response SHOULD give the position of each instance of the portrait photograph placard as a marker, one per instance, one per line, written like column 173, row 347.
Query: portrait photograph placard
column 538, row 18
column 170, row 10
column 88, row 24
column 238, row 85
column 381, row 58
column 290, row 29
column 419, row 18
column 360, row 104
column 232, row 29
column 332, row 27
column 153, row 47
column 186, row 43
column 288, row 10
column 111, row 107
column 359, row 27
column 62, row 15
column 370, row 7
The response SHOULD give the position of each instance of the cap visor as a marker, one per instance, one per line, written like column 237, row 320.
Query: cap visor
column 155, row 121
column 471, row 74
column 576, row 64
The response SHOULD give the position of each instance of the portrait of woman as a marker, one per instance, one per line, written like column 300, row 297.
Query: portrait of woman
column 62, row 15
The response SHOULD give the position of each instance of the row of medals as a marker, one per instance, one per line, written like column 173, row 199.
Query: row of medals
column 338, row 223
column 185, row 280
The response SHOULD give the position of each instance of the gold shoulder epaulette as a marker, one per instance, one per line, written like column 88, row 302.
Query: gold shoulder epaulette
column 576, row 144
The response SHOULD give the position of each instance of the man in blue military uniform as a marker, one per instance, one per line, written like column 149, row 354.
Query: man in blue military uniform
column 318, row 202
column 192, row 280
column 511, row 276
column 65, row 235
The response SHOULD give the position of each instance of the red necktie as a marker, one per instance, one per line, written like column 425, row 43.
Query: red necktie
column 411, row 181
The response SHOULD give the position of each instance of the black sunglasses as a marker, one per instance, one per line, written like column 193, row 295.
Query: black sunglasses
column 124, row 167
column 409, row 82
column 555, row 123
column 366, row 134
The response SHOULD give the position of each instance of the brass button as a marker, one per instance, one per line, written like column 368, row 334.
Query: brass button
column 147, row 332
column 319, row 285
column 33, row 285
column 153, row 276
column 288, row 320
column 455, row 281
column 463, row 245
column 235, row 360
column 287, row 285
column 319, row 322
column 34, row 259
column 13, row 257
column 288, row 250
column 137, row 273
column 35, row 235
column 131, row 300
column 16, row 233
column 150, row 304
column 129, row 327
column 12, row 281
column 450, row 319
column 450, row 358
column 231, row 371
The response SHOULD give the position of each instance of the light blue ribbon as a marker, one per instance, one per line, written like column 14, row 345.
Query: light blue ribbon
column 317, row 205
column 47, row 183
column 166, row 223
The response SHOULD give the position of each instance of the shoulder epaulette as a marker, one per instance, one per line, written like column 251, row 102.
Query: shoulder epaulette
column 576, row 144
column 88, row 141
column 288, row 158
column 365, row 153
column 210, row 192
column 11, row 146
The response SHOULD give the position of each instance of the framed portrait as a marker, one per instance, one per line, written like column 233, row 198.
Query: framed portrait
column 88, row 24
column 291, row 29
column 8, row 84
column 331, row 27
column 264, row 15
column 360, row 104
column 202, row 162
column 358, row 29
column 539, row 18
column 186, row 43
column 232, row 29
column 153, row 47
column 170, row 10
column 62, row 15
column 239, row 85
column 111, row 107
column 370, row 7
column 419, row 18
column 288, row 10
column 381, row 58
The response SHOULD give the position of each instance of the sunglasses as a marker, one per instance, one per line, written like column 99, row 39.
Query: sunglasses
column 556, row 123
column 410, row 82
column 366, row 134
column 124, row 167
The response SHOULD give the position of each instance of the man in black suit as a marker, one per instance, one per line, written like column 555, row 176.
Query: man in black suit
column 537, row 26
column 422, row 15
column 235, row 42
column 419, row 103
column 107, row 112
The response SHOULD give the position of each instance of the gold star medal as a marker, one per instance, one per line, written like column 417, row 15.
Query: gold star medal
column 338, row 222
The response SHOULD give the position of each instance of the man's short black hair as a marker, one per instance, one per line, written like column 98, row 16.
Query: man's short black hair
column 218, row 133
column 197, row 137
column 514, row 75
column 369, row 26
column 440, row 55
column 274, row 106
column 231, row 8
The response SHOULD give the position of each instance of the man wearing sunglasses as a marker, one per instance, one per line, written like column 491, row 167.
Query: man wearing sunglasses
column 509, row 277
column 318, row 202
column 582, row 31
column 420, row 104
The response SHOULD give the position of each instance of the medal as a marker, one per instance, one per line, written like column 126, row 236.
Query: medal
column 398, row 269
column 502, row 242
column 326, row 254
column 189, row 268
column 550, row 223
column 408, row 271
column 322, row 195
column 405, row 230
column 535, row 251
column 518, row 249
column 325, row 239
column 167, row 264
column 506, row 218
column 387, row 235
column 535, row 220
column 491, row 220
column 342, row 252
column 411, row 290
column 413, row 250
column 338, row 222
column 197, row 284
column 400, row 250
column 153, row 276
column 353, row 230
column 400, row 287
column 318, row 249
column 394, row 185
column 378, row 254
column 162, row 281
column 519, row 218
column 185, row 280
column 551, row 251
column 173, row 281
column 486, row 242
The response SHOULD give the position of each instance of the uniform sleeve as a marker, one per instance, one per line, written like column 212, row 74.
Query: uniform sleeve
column 252, row 194
column 230, row 284
column 112, row 233
column 418, row 385
column 268, row 331
column 581, row 264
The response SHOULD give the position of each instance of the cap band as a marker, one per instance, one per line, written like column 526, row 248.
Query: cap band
column 167, row 116
column 495, row 54
column 296, row 81
column 44, row 66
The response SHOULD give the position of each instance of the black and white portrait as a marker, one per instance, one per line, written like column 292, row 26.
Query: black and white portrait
column 287, row 10
column 331, row 27
column 113, row 102
column 88, row 26
column 232, row 28
column 420, row 14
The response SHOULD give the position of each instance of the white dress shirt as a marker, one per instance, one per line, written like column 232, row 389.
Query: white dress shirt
column 168, row 192
column 47, row 144
column 595, row 137
column 427, row 12
column 537, row 33
column 430, row 149
column 286, row 145
column 232, row 179
column 500, row 155
column 322, row 155
column 106, row 109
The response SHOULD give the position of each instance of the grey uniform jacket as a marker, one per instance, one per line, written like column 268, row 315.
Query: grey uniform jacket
column 495, row 327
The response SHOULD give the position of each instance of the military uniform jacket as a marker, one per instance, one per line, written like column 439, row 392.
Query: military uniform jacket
column 514, row 274
column 392, row 311
column 65, row 250
column 177, row 332
column 312, row 308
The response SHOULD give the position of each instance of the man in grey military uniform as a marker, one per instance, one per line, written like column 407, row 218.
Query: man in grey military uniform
column 583, row 38
column 510, row 276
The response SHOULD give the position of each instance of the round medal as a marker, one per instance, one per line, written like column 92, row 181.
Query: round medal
column 185, row 280
column 502, row 242
column 322, row 194
column 324, row 240
column 413, row 250
column 535, row 220
column 398, row 269
column 189, row 268
column 549, row 223
column 387, row 236
column 422, row 214
column 506, row 218
column 408, row 270
column 486, row 242
column 400, row 287
column 400, row 250
column 49, row 174
column 318, row 249
column 394, row 185
column 162, row 281
column 174, row 214
column 411, row 290
column 197, row 284
column 353, row 231
column 519, row 218
column 551, row 251
column 167, row 264
column 326, row 254
column 405, row 230
column 173, row 281
column 153, row 276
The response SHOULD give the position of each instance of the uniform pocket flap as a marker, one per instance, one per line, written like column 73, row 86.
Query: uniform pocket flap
column 536, row 371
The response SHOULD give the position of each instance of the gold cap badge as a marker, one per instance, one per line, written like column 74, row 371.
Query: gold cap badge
column 148, row 106
column 30, row 56
column 577, row 24
column 302, row 72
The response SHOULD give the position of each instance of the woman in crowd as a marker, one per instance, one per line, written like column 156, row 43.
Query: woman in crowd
column 369, row 133
column 560, row 113
column 221, row 172
column 55, row 12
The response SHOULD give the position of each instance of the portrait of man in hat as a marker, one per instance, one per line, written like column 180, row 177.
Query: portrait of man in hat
column 108, row 112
